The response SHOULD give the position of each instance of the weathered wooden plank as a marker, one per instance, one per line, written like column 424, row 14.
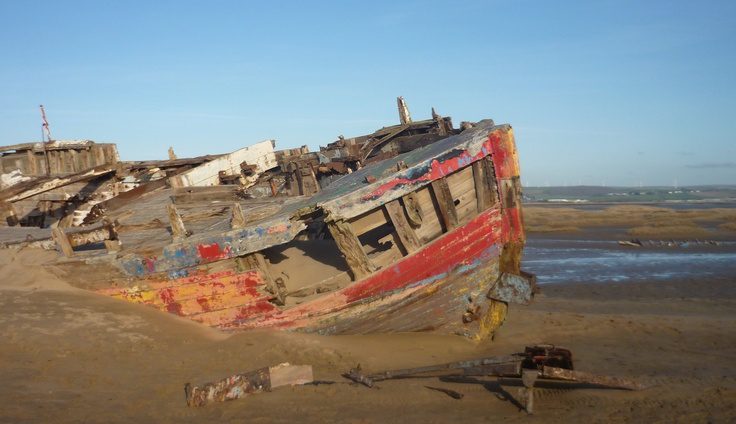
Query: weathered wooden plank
column 241, row 385
column 406, row 234
column 369, row 221
column 196, row 194
column 431, row 226
column 62, row 241
column 489, row 175
column 462, row 191
column 177, row 225
column 207, row 174
column 445, row 202
column 18, row 193
column 350, row 246
column 481, row 191
column 238, row 217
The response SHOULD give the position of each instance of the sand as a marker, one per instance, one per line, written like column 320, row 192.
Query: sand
column 659, row 221
column 72, row 356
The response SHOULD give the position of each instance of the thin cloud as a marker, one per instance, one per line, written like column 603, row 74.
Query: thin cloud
column 709, row 165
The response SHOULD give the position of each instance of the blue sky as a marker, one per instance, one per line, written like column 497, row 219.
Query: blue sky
column 614, row 92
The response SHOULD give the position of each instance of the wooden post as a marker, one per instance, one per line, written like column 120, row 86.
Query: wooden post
column 177, row 225
column 62, row 241
column 238, row 219
column 445, row 202
column 404, row 115
column 350, row 246
column 406, row 234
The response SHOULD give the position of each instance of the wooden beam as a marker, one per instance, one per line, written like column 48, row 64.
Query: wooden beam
column 219, row 193
column 442, row 194
column 350, row 246
column 62, row 241
column 403, row 228
column 238, row 218
column 275, row 286
column 13, row 196
column 242, row 385
column 177, row 225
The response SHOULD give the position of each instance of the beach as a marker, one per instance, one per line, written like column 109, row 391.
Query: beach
column 69, row 355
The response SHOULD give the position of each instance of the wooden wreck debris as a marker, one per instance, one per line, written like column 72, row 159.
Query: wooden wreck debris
column 21, row 191
column 237, row 221
column 419, row 234
column 260, row 155
column 241, row 385
column 62, row 241
column 533, row 359
column 177, row 225
column 536, row 362
column 404, row 115
column 67, row 240
column 556, row 373
column 57, row 157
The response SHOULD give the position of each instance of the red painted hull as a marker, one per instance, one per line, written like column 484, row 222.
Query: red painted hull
column 439, row 282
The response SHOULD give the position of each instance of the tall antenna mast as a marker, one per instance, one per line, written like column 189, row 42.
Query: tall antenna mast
column 45, row 131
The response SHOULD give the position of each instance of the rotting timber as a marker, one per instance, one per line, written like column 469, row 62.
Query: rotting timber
column 416, row 227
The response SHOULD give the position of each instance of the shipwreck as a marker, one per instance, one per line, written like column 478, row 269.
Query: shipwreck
column 415, row 227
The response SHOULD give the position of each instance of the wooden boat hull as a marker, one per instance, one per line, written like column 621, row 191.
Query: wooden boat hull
column 456, row 280
column 443, row 287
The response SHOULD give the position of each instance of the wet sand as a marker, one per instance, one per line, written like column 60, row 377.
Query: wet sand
column 71, row 356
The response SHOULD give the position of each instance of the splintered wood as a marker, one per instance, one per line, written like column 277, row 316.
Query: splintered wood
column 241, row 385
column 348, row 242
